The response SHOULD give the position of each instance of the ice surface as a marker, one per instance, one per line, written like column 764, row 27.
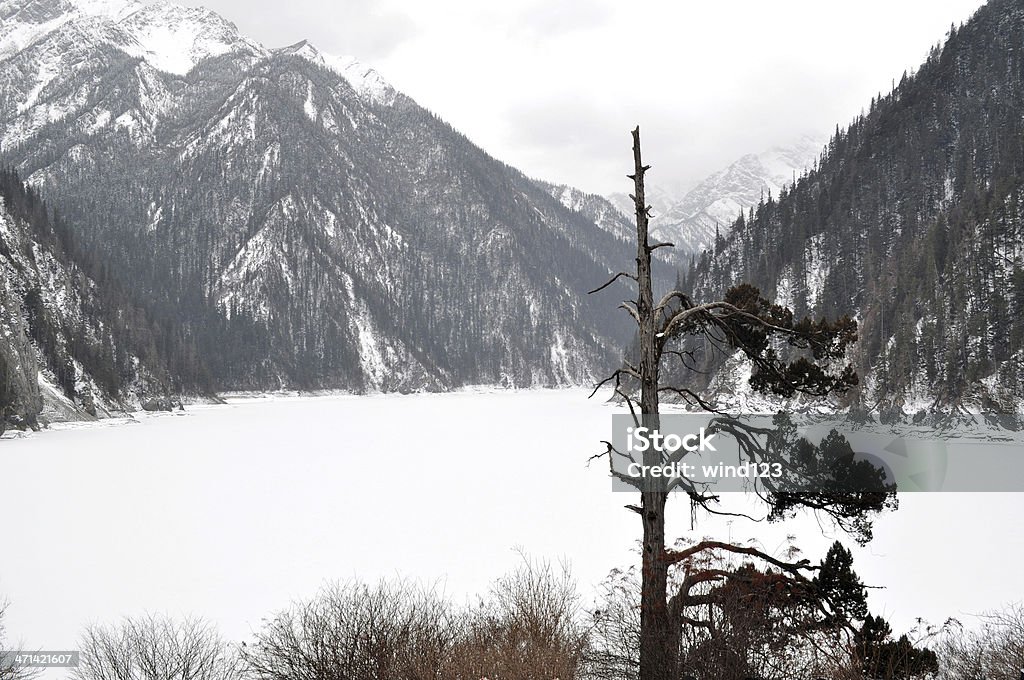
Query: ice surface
column 232, row 512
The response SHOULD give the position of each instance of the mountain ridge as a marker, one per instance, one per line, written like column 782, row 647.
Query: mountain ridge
column 911, row 224
column 292, row 220
column 711, row 206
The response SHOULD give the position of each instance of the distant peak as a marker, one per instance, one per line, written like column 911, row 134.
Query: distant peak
column 364, row 79
column 170, row 37
column 175, row 12
column 115, row 9
column 302, row 44
column 304, row 49
column 174, row 38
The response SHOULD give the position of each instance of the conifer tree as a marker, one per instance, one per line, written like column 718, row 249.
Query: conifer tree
column 742, row 322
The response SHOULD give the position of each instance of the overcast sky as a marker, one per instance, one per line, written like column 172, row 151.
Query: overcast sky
column 554, row 87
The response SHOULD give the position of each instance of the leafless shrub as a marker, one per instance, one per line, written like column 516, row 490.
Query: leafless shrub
column 155, row 648
column 356, row 632
column 528, row 628
column 995, row 651
column 9, row 670
column 614, row 652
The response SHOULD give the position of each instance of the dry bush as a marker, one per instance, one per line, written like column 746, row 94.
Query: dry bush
column 8, row 669
column 528, row 628
column 352, row 631
column 614, row 652
column 155, row 648
column 993, row 652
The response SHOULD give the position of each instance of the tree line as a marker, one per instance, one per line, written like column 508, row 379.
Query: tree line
column 910, row 222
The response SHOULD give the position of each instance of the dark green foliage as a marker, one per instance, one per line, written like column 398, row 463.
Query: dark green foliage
column 761, row 622
column 8, row 395
column 269, row 256
column 883, row 658
column 839, row 584
column 848, row 489
column 45, row 333
column 912, row 222
column 789, row 356
column 97, row 328
column 826, row 340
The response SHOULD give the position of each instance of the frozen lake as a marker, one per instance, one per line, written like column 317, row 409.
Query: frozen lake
column 231, row 512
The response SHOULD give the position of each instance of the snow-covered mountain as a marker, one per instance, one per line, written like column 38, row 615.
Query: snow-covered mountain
column 603, row 213
column 690, row 222
column 659, row 198
column 67, row 347
column 912, row 224
column 172, row 38
column 597, row 209
column 290, row 218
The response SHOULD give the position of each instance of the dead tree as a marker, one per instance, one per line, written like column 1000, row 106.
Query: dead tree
column 742, row 321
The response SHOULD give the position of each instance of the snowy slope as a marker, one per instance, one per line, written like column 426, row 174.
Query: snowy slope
column 366, row 80
column 344, row 236
column 57, row 344
column 172, row 38
column 601, row 211
column 716, row 201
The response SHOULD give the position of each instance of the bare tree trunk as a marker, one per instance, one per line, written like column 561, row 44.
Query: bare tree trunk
column 657, row 653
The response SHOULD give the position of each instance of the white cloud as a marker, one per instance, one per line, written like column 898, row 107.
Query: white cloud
column 554, row 87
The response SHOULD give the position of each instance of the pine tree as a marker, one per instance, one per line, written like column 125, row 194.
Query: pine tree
column 744, row 323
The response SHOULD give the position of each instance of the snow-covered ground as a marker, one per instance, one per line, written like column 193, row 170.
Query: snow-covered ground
column 233, row 511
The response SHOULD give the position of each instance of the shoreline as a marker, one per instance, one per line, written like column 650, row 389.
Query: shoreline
column 185, row 405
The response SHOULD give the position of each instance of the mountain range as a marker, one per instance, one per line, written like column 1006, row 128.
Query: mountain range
column 285, row 218
column 185, row 211
column 709, row 208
